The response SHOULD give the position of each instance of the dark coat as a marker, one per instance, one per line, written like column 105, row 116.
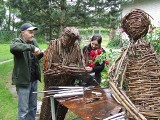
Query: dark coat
column 97, row 69
column 22, row 71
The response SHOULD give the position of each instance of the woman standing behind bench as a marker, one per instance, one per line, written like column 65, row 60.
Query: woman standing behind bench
column 94, row 67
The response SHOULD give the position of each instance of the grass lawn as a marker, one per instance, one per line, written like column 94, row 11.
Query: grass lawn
column 8, row 104
column 105, row 41
column 5, row 51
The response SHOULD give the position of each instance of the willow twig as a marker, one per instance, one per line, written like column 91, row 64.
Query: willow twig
column 126, row 104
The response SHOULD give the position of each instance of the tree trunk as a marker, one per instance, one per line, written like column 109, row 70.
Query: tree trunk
column 63, row 13
column 111, row 34
column 9, row 19
column 50, row 22
column 50, row 30
column 13, row 23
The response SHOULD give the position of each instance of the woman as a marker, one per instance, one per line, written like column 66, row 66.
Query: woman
column 91, row 52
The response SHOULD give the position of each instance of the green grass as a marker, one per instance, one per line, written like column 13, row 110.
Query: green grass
column 43, row 46
column 6, row 55
column 5, row 51
column 41, row 85
column 105, row 41
column 8, row 104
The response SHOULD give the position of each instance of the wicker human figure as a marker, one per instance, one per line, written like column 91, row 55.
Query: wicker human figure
column 62, row 61
column 140, row 71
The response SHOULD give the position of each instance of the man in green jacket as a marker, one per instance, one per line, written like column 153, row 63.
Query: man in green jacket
column 26, row 71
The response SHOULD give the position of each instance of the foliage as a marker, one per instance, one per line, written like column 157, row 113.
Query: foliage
column 114, row 17
column 154, row 38
column 114, row 43
column 2, row 13
column 7, row 36
column 40, row 39
column 51, row 16
column 111, row 57
column 91, row 31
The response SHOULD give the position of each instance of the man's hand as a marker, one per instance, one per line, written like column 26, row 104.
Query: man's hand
column 36, row 51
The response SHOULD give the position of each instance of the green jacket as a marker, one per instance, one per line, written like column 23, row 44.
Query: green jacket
column 22, row 72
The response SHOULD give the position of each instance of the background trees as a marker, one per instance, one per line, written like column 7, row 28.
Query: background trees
column 51, row 16
column 2, row 13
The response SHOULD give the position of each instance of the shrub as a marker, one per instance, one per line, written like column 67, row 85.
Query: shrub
column 114, row 43
column 154, row 38
column 111, row 56
column 7, row 36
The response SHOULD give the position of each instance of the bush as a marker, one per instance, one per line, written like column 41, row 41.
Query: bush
column 154, row 38
column 40, row 39
column 91, row 31
column 111, row 56
column 114, row 43
column 7, row 36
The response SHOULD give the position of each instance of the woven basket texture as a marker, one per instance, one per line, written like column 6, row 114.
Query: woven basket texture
column 136, row 24
column 142, row 74
column 143, row 79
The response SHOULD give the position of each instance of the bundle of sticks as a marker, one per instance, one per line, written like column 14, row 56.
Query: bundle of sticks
column 63, row 69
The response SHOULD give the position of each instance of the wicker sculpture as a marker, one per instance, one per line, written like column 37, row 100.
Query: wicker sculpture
column 136, row 24
column 62, row 61
column 139, row 70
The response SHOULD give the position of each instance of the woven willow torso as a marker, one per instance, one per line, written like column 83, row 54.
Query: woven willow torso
column 137, row 70
column 143, row 79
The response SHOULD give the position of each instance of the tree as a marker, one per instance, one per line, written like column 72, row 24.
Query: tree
column 2, row 13
column 53, row 15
